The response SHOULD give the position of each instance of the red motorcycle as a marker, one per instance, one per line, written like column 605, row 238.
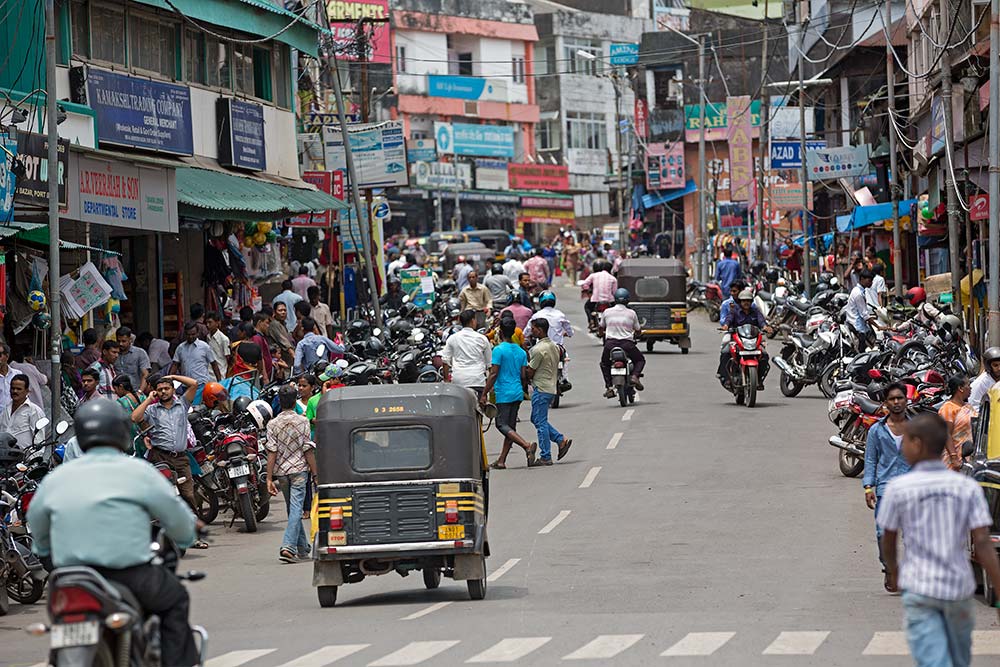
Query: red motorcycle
column 746, row 347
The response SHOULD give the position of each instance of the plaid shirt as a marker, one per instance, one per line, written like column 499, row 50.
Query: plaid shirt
column 288, row 436
column 106, row 375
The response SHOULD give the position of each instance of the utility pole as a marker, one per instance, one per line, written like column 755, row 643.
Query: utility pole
column 456, row 218
column 803, row 176
column 763, row 141
column 622, row 228
column 363, row 223
column 618, row 150
column 890, row 68
column 993, row 293
column 52, row 125
column 954, row 251
column 702, row 234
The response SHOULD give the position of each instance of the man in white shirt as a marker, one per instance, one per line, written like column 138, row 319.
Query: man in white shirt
column 7, row 373
column 19, row 417
column 513, row 268
column 39, row 382
column 559, row 326
column 218, row 341
column 467, row 355
column 878, row 292
column 620, row 324
column 989, row 377
column 859, row 316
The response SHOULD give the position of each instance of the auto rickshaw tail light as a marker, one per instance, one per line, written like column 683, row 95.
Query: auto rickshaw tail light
column 336, row 518
column 451, row 511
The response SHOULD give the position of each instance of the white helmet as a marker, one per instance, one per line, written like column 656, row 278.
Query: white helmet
column 260, row 412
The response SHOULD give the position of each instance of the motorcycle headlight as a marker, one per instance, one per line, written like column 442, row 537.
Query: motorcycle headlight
column 749, row 344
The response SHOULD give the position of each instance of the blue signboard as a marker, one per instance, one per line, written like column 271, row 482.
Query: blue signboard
column 470, row 139
column 7, row 178
column 624, row 54
column 141, row 113
column 458, row 87
column 241, row 134
column 421, row 150
column 786, row 154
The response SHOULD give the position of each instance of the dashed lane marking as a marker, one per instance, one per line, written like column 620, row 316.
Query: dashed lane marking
column 603, row 647
column 502, row 570
column 628, row 415
column 615, row 439
column 237, row 658
column 326, row 655
column 590, row 477
column 427, row 610
column 796, row 643
column 511, row 649
column 413, row 653
column 551, row 525
column 699, row 644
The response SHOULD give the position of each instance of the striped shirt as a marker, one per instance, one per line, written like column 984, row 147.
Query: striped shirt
column 935, row 509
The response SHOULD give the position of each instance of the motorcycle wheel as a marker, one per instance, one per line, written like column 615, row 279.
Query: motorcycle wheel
column 4, row 600
column 713, row 312
column 850, row 465
column 206, row 502
column 828, row 379
column 751, row 386
column 789, row 387
column 622, row 396
column 26, row 590
column 327, row 596
column 649, row 345
column 263, row 502
column 247, row 512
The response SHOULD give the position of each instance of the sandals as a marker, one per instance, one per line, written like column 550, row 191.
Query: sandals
column 564, row 448
column 531, row 452
column 200, row 544
column 496, row 465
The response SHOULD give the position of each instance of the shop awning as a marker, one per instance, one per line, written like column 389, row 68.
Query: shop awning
column 38, row 233
column 663, row 196
column 863, row 216
column 215, row 195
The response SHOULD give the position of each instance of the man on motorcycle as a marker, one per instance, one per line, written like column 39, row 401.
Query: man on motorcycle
column 747, row 313
column 730, row 303
column 601, row 286
column 989, row 377
column 859, row 316
column 498, row 284
column 559, row 326
column 96, row 511
column 619, row 325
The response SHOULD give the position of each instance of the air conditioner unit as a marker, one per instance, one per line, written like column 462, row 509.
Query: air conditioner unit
column 471, row 109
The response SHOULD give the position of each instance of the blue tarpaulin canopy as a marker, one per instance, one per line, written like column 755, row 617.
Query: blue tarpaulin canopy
column 863, row 216
column 664, row 196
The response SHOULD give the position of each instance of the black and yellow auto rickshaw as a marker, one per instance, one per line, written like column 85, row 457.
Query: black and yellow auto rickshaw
column 984, row 466
column 403, row 486
column 496, row 240
column 475, row 254
column 658, row 289
column 436, row 244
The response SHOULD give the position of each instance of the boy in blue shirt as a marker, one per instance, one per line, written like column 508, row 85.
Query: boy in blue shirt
column 507, row 378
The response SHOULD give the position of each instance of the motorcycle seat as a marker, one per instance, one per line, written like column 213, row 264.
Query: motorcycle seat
column 866, row 404
column 780, row 300
column 765, row 295
column 128, row 597
column 805, row 339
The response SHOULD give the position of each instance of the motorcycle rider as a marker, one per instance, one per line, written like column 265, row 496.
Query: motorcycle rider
column 989, row 377
column 860, row 317
column 620, row 324
column 601, row 286
column 559, row 326
column 498, row 284
column 96, row 511
column 730, row 303
column 747, row 313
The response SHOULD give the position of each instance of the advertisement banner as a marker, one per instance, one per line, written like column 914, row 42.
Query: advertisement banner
column 344, row 16
column 121, row 194
column 839, row 162
column 546, row 216
column 785, row 122
column 33, row 188
column 467, row 88
column 525, row 176
column 665, row 166
column 379, row 153
column 624, row 54
column 7, row 179
column 979, row 207
column 241, row 134
column 330, row 182
column 419, row 285
column 666, row 125
column 140, row 113
column 491, row 175
column 788, row 197
column 565, row 203
column 716, row 120
column 470, row 139
column 421, row 150
column 442, row 175
column 740, row 148
column 350, row 230
column 787, row 154
column 641, row 118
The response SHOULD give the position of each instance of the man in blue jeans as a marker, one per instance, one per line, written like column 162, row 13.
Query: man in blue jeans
column 290, row 456
column 543, row 371
column 937, row 511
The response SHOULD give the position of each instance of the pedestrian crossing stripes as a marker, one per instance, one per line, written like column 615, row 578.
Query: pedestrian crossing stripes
column 628, row 648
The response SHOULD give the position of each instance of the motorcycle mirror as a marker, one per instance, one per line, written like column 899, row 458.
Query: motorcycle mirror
column 62, row 427
column 342, row 363
column 42, row 423
column 874, row 373
column 321, row 350
column 376, row 331
column 406, row 298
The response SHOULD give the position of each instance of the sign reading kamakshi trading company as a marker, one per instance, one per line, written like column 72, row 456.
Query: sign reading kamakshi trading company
column 552, row 177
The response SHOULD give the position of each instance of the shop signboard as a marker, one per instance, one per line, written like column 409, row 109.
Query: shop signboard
column 716, row 120
column 979, row 207
column 473, row 139
column 788, row 154
column 491, row 174
column 788, row 196
column 838, row 162
column 467, row 88
column 740, row 148
column 550, row 216
column 665, row 166
column 344, row 17
column 442, row 175
column 241, row 134
column 564, row 203
column 784, row 122
column 554, row 177
column 141, row 113
column 624, row 54
column 666, row 125
column 379, row 151
column 350, row 230
column 7, row 178
column 420, row 150
column 641, row 118
column 419, row 285
column 122, row 194
column 330, row 182
column 33, row 188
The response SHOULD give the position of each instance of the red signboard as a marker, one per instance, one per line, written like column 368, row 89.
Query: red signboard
column 344, row 16
column 979, row 207
column 330, row 182
column 538, row 176
column 641, row 118
column 546, row 202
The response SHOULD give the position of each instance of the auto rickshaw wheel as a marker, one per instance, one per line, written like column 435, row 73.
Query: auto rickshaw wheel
column 327, row 596
column 477, row 587
column 649, row 345
column 432, row 578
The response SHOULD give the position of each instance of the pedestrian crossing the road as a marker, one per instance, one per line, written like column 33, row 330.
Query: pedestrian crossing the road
column 626, row 648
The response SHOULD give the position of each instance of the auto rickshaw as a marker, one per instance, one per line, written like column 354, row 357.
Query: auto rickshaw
column 403, row 486
column 496, row 240
column 437, row 242
column 658, row 289
column 984, row 466
column 475, row 254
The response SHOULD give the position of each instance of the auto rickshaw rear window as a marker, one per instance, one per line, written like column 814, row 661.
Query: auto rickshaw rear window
column 376, row 450
column 652, row 288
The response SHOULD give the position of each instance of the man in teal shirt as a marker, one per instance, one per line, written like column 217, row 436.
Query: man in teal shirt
column 507, row 378
column 96, row 511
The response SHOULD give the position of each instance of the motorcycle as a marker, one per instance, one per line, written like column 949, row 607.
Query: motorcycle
column 621, row 376
column 853, row 411
column 94, row 621
column 806, row 359
column 746, row 345
column 563, row 385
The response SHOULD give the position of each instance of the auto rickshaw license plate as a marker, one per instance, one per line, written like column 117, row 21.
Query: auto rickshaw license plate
column 451, row 532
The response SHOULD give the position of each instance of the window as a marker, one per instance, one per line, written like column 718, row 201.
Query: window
column 107, row 29
column 217, row 63
column 243, row 68
column 580, row 64
column 152, row 44
column 545, row 59
column 401, row 59
column 517, row 68
column 282, row 76
column 194, row 56
column 262, row 82
column 465, row 64
column 391, row 449
column 547, row 135
column 80, row 22
column 586, row 130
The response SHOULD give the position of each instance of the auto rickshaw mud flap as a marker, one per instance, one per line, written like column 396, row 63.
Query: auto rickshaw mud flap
column 469, row 566
column 327, row 573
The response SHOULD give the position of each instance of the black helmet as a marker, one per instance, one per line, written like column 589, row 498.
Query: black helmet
column 10, row 453
column 102, row 423
column 400, row 329
column 758, row 267
column 358, row 329
column 241, row 404
column 496, row 270
column 622, row 295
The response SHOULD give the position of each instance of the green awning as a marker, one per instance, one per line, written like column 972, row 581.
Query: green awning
column 215, row 195
column 38, row 233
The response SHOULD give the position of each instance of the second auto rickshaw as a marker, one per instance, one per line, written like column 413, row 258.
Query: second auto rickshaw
column 658, row 289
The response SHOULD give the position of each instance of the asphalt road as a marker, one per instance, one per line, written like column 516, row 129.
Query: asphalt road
column 684, row 530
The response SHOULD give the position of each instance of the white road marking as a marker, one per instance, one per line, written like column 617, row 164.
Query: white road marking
column 699, row 643
column 985, row 642
column 511, row 649
column 502, row 570
column 413, row 653
column 326, row 655
column 603, row 647
column 887, row 643
column 628, row 415
column 551, row 525
column 796, row 643
column 427, row 610
column 590, row 477
column 614, row 440
column 236, row 658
